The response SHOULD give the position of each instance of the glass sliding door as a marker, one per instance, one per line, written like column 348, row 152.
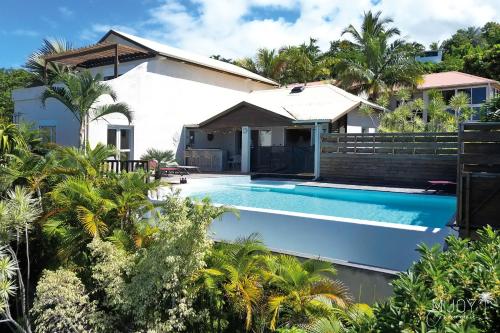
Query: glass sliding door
column 121, row 137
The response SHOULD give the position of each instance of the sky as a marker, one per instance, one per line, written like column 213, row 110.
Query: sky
column 231, row 28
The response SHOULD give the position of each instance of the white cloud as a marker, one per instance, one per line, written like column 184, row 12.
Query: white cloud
column 24, row 32
column 96, row 31
column 221, row 27
column 65, row 11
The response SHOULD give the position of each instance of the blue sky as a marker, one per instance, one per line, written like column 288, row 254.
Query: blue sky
column 232, row 28
column 23, row 24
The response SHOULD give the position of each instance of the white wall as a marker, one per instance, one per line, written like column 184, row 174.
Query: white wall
column 379, row 244
column 28, row 104
column 356, row 121
column 165, row 95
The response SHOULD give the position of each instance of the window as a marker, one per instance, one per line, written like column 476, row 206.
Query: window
column 191, row 138
column 465, row 91
column 48, row 134
column 121, row 138
column 476, row 115
column 478, row 95
column 447, row 95
column 265, row 138
column 124, row 139
column 111, row 137
column 365, row 130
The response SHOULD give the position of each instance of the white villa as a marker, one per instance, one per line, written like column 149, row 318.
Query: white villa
column 210, row 112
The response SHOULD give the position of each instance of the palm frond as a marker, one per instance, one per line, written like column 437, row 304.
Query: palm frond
column 92, row 223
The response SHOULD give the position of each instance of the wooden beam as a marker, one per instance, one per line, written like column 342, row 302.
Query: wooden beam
column 91, row 50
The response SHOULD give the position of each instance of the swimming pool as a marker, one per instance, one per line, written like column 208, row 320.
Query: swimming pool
column 375, row 229
column 402, row 208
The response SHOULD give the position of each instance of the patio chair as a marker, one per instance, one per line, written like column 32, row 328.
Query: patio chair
column 440, row 185
column 176, row 169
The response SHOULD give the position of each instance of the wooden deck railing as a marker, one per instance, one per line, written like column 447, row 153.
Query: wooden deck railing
column 390, row 143
column 118, row 166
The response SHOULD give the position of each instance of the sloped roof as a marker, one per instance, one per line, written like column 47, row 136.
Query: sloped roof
column 182, row 55
column 452, row 79
column 318, row 102
column 321, row 102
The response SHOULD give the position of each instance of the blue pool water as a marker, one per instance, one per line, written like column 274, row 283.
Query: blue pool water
column 411, row 209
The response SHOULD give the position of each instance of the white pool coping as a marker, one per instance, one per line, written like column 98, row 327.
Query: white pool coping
column 335, row 218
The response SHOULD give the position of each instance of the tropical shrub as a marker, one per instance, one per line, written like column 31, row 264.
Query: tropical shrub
column 245, row 288
column 159, row 156
column 10, row 138
column 457, row 290
column 161, row 288
column 302, row 290
column 407, row 117
column 490, row 111
column 110, row 269
column 62, row 305
column 17, row 213
column 355, row 318
column 231, row 286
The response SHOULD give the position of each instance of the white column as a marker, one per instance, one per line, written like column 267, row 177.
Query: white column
column 425, row 96
column 246, row 140
column 317, row 150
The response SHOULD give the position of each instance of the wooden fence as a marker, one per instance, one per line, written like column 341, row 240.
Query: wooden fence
column 478, row 177
column 391, row 143
column 407, row 159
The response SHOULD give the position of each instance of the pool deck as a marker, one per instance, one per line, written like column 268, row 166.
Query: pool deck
column 175, row 181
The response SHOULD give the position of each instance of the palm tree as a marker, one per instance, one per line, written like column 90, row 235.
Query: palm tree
column 375, row 64
column 435, row 46
column 305, row 63
column 440, row 119
column 304, row 290
column 160, row 156
column 80, row 211
column 268, row 63
column 129, row 192
column 247, row 63
column 10, row 139
column 79, row 94
column 234, row 273
column 86, row 163
column 460, row 105
column 36, row 62
column 356, row 318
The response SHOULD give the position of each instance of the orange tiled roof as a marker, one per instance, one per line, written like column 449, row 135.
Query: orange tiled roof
column 453, row 79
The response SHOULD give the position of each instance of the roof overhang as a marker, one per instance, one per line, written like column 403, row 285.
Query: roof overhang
column 184, row 60
column 461, row 85
column 258, row 119
column 100, row 54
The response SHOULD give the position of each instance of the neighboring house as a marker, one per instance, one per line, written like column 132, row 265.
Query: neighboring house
column 478, row 88
column 276, row 130
column 435, row 56
column 168, row 88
